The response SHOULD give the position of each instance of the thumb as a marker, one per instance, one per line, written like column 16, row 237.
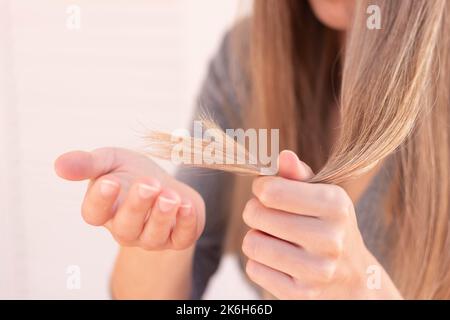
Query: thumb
column 290, row 167
column 81, row 165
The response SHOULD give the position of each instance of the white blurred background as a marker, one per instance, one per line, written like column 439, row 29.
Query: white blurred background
column 127, row 65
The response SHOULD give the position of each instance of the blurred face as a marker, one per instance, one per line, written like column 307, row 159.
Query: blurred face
column 335, row 14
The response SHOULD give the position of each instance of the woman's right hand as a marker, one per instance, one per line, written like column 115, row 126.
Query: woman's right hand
column 139, row 203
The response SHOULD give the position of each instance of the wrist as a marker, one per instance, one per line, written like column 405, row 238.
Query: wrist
column 140, row 274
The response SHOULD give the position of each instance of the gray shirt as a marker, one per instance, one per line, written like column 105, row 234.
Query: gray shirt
column 220, row 100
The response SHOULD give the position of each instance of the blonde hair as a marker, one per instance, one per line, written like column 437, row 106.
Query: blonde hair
column 392, row 87
column 393, row 98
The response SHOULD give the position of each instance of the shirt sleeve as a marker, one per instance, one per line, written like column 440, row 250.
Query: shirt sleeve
column 218, row 100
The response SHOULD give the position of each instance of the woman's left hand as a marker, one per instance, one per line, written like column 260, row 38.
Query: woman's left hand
column 304, row 241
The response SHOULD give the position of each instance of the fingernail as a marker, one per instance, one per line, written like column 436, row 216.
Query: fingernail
column 146, row 191
column 166, row 204
column 108, row 188
column 185, row 209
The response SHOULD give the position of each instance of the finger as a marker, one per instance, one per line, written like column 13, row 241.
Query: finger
column 318, row 200
column 285, row 257
column 185, row 231
column 128, row 222
column 275, row 282
column 81, row 165
column 98, row 204
column 290, row 167
column 161, row 220
column 310, row 233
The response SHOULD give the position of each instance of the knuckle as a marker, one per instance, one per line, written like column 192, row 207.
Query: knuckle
column 123, row 235
column 307, row 294
column 335, row 244
column 250, row 245
column 343, row 203
column 252, row 270
column 327, row 194
column 151, row 243
column 343, row 210
column 340, row 201
column 179, row 243
column 111, row 155
column 249, row 269
column 250, row 210
column 89, row 215
column 121, row 242
column 270, row 192
column 303, row 292
column 326, row 270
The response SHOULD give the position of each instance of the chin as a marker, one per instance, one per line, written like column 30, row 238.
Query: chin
column 335, row 14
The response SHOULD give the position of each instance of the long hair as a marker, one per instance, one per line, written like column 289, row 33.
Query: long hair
column 392, row 90
column 391, row 86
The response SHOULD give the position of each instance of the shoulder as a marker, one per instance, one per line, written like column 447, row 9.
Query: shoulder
column 232, row 56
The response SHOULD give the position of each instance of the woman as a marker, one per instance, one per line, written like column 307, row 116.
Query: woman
column 365, row 109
